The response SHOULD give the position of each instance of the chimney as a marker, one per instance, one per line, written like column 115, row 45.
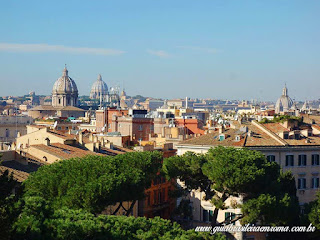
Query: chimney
column 238, row 138
column 102, row 142
column 80, row 137
column 47, row 142
column 221, row 129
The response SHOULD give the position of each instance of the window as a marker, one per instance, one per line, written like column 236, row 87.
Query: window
column 271, row 158
column 228, row 216
column 163, row 195
column 148, row 199
column 289, row 160
column 301, row 183
column 302, row 160
column 210, row 215
column 315, row 182
column 205, row 215
column 140, row 127
column 7, row 133
column 315, row 159
column 159, row 196
column 155, row 197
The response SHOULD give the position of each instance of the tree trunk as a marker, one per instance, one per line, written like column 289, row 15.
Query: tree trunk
column 214, row 217
column 117, row 209
column 131, row 207
column 216, row 211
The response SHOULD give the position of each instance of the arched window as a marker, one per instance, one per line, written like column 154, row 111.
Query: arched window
column 7, row 133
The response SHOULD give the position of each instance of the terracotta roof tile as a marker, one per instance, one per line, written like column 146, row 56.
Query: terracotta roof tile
column 63, row 151
column 213, row 139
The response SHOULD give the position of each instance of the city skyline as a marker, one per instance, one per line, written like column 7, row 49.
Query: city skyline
column 220, row 50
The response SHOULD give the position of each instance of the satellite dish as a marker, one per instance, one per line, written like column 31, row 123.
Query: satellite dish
column 55, row 125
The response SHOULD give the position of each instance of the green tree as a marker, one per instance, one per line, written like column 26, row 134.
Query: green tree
column 7, row 200
column 225, row 172
column 95, row 182
column 63, row 200
column 79, row 224
column 314, row 212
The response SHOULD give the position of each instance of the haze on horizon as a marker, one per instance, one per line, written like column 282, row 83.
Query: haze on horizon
column 166, row 49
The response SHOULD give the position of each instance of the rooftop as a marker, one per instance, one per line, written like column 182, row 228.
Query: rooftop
column 63, row 151
column 20, row 172
column 258, row 134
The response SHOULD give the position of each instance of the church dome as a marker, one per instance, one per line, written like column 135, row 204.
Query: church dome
column 98, row 88
column 284, row 103
column 65, row 84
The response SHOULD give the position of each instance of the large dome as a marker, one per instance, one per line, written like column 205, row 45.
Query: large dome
column 64, row 84
column 99, row 88
column 284, row 103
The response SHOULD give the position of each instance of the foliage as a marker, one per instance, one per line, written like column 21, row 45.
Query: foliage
column 184, row 210
column 225, row 172
column 7, row 199
column 281, row 119
column 314, row 215
column 80, row 224
column 61, row 200
column 94, row 182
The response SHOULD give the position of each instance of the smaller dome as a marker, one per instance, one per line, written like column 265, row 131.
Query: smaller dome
column 65, row 84
column 284, row 103
column 99, row 88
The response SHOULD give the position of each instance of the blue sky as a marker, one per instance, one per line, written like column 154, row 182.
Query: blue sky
column 206, row 49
